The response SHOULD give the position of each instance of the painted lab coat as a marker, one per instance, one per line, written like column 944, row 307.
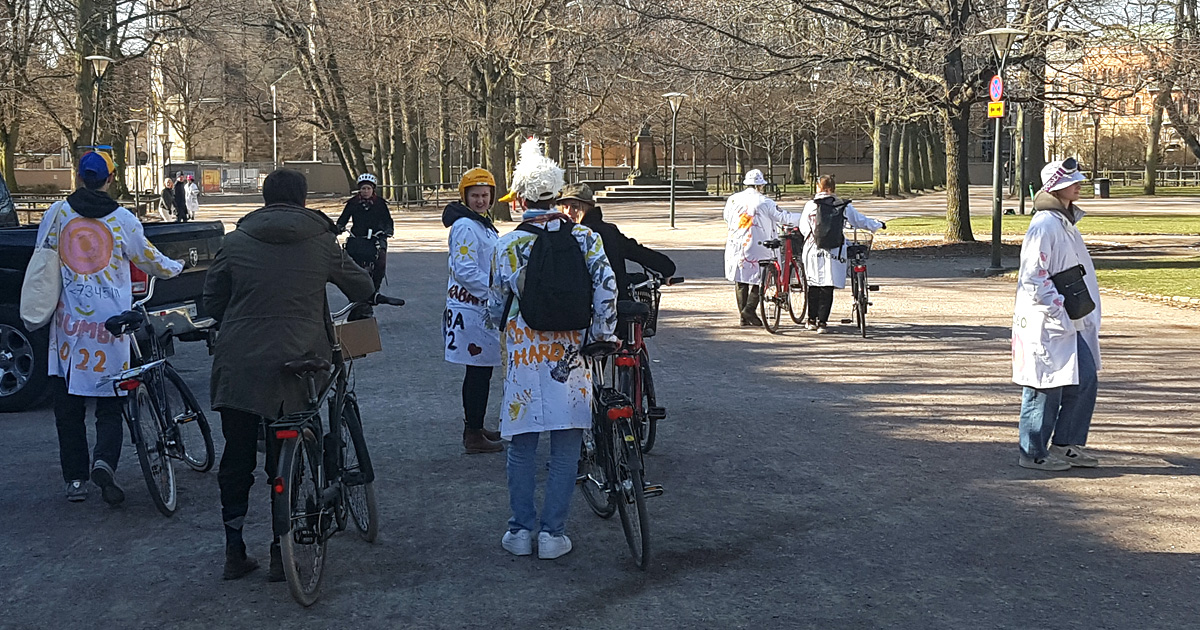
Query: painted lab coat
column 468, row 338
column 95, row 256
column 1044, row 347
column 193, row 199
column 752, row 218
column 826, row 268
column 547, row 385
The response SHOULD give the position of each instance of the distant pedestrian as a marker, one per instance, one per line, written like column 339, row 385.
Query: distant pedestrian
column 547, row 384
column 751, row 218
column 367, row 213
column 193, row 198
column 1056, row 328
column 168, row 197
column 96, row 240
column 180, row 194
column 469, row 340
column 825, row 248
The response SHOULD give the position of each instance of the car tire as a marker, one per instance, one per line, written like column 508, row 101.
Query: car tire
column 23, row 356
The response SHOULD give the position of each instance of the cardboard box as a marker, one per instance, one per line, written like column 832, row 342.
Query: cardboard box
column 358, row 338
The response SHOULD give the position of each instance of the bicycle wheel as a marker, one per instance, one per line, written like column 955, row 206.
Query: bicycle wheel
column 186, row 419
column 358, row 481
column 631, row 498
column 652, row 412
column 593, row 479
column 770, row 299
column 797, row 297
column 860, row 302
column 298, row 495
column 150, row 440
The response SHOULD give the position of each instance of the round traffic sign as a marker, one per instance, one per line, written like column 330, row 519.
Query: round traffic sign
column 996, row 88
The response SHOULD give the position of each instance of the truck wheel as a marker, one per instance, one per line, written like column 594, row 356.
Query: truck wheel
column 23, row 354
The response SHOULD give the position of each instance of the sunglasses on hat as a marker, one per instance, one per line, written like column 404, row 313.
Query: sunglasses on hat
column 1069, row 167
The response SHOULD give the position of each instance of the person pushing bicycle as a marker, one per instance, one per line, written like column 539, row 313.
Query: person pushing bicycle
column 266, row 288
column 577, row 202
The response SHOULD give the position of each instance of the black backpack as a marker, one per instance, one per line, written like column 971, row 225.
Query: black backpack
column 831, row 218
column 558, row 288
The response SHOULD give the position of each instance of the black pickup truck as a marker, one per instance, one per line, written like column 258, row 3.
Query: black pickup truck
column 23, row 354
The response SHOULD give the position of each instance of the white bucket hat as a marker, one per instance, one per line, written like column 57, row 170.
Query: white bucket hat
column 1059, row 174
column 754, row 177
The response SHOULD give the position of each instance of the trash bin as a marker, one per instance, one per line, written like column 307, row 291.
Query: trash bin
column 1100, row 187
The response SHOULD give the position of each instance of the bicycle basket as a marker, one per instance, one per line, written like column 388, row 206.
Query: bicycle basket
column 856, row 249
column 649, row 297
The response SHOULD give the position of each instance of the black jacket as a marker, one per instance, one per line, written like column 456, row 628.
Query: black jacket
column 181, row 198
column 367, row 214
column 620, row 248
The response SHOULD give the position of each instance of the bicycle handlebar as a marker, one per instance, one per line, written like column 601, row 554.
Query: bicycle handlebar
column 657, row 279
column 378, row 299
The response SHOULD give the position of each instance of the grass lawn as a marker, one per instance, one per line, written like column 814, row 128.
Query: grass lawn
column 1162, row 276
column 1120, row 192
column 1017, row 224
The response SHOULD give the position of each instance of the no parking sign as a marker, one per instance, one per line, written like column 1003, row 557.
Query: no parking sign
column 996, row 88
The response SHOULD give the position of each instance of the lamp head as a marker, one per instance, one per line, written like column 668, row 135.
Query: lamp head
column 99, row 64
column 1002, row 40
column 135, row 126
column 675, row 99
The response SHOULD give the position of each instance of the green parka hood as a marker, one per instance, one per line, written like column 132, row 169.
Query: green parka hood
column 285, row 223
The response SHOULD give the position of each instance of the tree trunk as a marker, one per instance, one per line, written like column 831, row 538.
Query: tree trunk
column 444, row 156
column 879, row 149
column 795, row 159
column 897, row 133
column 958, row 202
column 905, row 161
column 9, row 135
column 494, row 142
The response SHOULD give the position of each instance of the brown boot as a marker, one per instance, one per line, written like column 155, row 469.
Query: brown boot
column 491, row 435
column 475, row 442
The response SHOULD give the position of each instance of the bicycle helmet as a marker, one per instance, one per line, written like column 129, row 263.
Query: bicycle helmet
column 475, row 177
column 366, row 178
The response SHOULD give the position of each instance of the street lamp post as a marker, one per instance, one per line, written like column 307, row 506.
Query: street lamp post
column 135, row 126
column 1095, row 144
column 99, row 66
column 1002, row 40
column 166, row 155
column 274, row 130
column 675, row 99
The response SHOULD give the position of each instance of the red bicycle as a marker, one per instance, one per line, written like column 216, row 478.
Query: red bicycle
column 783, row 281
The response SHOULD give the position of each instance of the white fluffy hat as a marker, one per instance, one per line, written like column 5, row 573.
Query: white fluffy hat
column 754, row 177
column 535, row 176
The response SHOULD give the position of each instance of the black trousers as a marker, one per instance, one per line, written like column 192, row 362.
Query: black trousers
column 475, row 395
column 820, row 302
column 747, row 301
column 70, row 412
column 236, row 474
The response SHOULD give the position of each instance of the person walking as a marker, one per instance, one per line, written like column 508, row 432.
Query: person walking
column 96, row 239
column 751, row 218
column 180, row 195
column 266, row 289
column 547, row 384
column 1056, row 328
column 469, row 340
column 193, row 198
column 578, row 202
column 824, row 249
column 168, row 198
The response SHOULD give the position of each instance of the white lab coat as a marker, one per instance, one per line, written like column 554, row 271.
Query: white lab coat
column 752, row 218
column 95, row 256
column 468, row 338
column 547, row 385
column 825, row 268
column 193, row 199
column 1044, row 347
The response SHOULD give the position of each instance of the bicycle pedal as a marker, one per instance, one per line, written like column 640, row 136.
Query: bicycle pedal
column 304, row 537
column 652, row 490
column 656, row 413
column 872, row 287
column 847, row 320
column 186, row 418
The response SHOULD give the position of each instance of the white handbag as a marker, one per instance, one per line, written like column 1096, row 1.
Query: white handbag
column 42, row 286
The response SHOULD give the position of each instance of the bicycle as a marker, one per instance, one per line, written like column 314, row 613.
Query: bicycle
column 783, row 280
column 323, row 479
column 611, row 457
column 641, row 389
column 165, row 420
column 857, row 252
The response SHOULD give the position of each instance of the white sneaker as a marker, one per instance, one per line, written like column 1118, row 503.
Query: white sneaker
column 551, row 547
column 1075, row 456
column 519, row 543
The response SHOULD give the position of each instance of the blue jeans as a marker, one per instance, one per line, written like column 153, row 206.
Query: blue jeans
column 1062, row 412
column 560, row 483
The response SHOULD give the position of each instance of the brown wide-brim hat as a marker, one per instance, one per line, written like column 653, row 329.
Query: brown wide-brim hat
column 579, row 192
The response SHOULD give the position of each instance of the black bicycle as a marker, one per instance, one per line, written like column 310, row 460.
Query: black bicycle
column 323, row 478
column 165, row 420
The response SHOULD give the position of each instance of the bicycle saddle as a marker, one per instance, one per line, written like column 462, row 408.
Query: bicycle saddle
column 128, row 321
column 629, row 309
column 772, row 244
column 304, row 366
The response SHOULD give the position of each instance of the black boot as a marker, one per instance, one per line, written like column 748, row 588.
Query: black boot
column 237, row 565
column 475, row 442
column 275, row 574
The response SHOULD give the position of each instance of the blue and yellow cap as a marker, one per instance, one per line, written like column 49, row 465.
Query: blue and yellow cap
column 96, row 166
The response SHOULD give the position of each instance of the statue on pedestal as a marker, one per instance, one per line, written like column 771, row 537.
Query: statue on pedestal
column 645, row 163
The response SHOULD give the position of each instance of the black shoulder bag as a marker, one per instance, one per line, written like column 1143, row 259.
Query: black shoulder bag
column 1076, row 297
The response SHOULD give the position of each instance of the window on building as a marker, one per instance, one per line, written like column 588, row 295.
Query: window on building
column 1137, row 106
column 1121, row 107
